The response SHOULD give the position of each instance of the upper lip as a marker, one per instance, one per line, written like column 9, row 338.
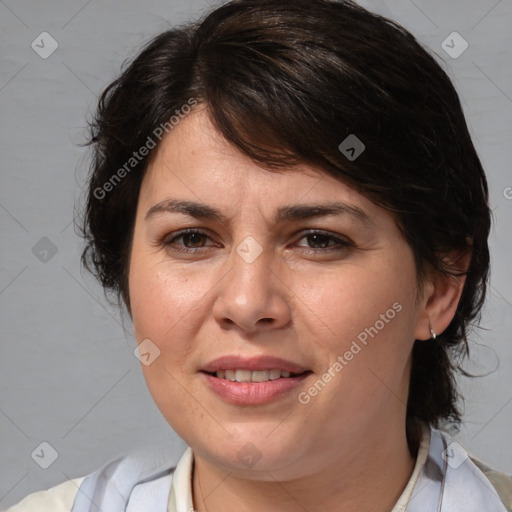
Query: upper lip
column 253, row 363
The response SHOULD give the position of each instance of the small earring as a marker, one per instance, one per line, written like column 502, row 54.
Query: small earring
column 433, row 335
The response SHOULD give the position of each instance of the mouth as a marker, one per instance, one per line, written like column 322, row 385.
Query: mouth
column 245, row 375
column 244, row 380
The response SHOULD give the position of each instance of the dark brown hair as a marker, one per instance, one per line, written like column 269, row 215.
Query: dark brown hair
column 287, row 82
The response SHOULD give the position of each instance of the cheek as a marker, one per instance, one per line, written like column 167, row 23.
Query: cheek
column 169, row 307
column 164, row 310
column 163, row 299
column 362, row 321
column 363, row 324
column 375, row 300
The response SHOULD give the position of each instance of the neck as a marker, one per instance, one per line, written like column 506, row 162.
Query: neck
column 372, row 480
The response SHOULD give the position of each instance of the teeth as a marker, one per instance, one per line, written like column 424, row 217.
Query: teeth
column 259, row 376
column 251, row 376
column 230, row 375
column 274, row 374
column 243, row 375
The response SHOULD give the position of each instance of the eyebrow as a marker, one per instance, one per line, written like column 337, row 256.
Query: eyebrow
column 283, row 214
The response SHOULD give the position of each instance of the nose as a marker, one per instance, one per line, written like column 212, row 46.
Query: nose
column 253, row 294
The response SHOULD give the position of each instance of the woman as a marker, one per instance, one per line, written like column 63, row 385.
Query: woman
column 286, row 198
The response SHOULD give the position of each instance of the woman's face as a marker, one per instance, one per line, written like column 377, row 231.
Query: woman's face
column 333, row 297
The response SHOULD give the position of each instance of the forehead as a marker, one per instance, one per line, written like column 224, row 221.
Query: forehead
column 194, row 161
column 195, row 149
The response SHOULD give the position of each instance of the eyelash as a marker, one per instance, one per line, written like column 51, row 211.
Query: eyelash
column 343, row 244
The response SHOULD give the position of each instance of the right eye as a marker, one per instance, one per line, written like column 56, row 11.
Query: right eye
column 189, row 236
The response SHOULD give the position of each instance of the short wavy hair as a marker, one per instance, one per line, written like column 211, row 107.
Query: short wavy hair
column 286, row 83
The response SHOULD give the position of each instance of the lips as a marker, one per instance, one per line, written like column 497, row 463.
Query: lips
column 257, row 380
column 259, row 363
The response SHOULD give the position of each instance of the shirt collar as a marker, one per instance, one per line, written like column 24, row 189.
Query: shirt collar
column 421, row 458
column 180, row 497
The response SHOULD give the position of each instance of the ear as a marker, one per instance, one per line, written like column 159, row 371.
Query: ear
column 441, row 295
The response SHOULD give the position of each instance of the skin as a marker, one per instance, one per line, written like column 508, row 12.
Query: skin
column 297, row 301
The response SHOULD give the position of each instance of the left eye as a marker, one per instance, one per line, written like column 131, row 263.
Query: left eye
column 323, row 239
column 194, row 239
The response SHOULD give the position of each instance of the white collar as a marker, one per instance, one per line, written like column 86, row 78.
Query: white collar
column 180, row 498
column 421, row 458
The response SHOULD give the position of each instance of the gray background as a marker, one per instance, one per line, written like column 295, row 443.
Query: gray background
column 68, row 375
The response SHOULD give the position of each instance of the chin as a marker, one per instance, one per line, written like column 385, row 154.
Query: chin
column 250, row 456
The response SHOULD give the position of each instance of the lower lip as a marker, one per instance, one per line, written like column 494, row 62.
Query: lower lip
column 253, row 393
